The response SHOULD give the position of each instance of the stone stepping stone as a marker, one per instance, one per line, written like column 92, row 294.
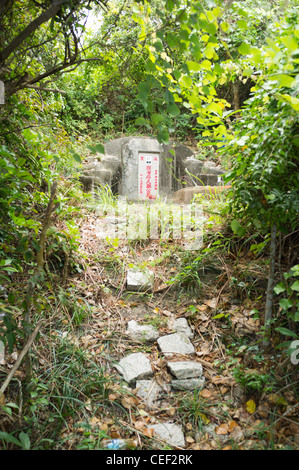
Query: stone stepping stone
column 176, row 343
column 170, row 432
column 188, row 384
column 143, row 333
column 185, row 369
column 180, row 325
column 139, row 280
column 134, row 367
column 149, row 391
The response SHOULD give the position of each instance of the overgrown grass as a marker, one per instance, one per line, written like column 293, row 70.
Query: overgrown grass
column 69, row 389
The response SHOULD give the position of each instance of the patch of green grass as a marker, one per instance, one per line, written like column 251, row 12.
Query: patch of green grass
column 69, row 390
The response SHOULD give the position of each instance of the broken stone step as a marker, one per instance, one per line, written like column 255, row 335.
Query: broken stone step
column 139, row 280
column 134, row 367
column 143, row 333
column 185, row 369
column 170, row 432
column 176, row 343
column 188, row 384
column 180, row 325
column 149, row 391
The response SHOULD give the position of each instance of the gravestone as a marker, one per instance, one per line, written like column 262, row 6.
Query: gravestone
column 142, row 169
column 146, row 170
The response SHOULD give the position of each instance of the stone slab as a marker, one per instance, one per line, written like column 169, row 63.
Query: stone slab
column 180, row 325
column 170, row 432
column 188, row 384
column 143, row 333
column 134, row 367
column 185, row 369
column 139, row 280
column 176, row 343
column 149, row 391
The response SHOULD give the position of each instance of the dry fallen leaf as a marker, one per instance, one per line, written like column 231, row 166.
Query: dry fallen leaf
column 128, row 402
column 94, row 421
column 222, row 429
column 112, row 396
column 167, row 313
column 211, row 303
column 201, row 308
column 232, row 425
column 205, row 393
column 149, row 432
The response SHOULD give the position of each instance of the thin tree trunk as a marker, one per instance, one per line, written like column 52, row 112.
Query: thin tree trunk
column 269, row 298
column 236, row 97
column 37, row 276
column 42, row 18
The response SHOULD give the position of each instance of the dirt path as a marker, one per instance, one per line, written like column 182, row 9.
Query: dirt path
column 219, row 414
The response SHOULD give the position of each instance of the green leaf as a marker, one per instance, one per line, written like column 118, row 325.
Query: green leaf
column 156, row 118
column 295, row 270
column 193, row 66
column 220, row 315
column 224, row 26
column 295, row 286
column 244, row 49
column 100, row 148
column 142, row 122
column 21, row 161
column 206, row 65
column 163, row 137
column 285, row 304
column 77, row 157
column 96, row 148
column 286, row 332
column 237, row 228
column 279, row 288
column 215, row 108
column 9, row 438
column 173, row 109
column 285, row 81
column 24, row 438
column 242, row 24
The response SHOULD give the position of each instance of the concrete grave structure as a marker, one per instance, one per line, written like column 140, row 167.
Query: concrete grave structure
column 140, row 168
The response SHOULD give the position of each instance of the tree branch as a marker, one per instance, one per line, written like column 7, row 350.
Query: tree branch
column 53, row 90
column 36, row 23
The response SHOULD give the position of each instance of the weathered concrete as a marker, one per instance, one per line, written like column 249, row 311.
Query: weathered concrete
column 143, row 333
column 131, row 152
column 185, row 369
column 176, row 343
column 178, row 166
column 134, row 367
column 170, row 432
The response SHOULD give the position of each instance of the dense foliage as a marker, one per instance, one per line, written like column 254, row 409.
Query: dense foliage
column 222, row 75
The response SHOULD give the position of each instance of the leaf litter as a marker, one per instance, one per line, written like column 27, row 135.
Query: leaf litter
column 234, row 410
